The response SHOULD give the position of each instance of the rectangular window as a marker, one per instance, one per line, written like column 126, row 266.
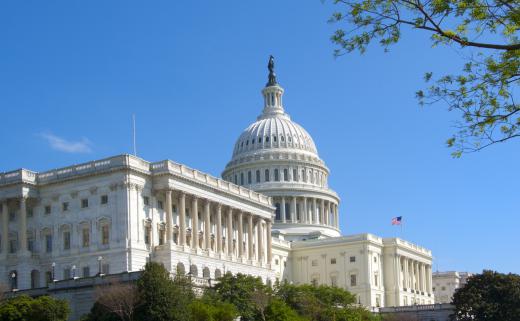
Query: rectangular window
column 47, row 209
column 161, row 236
column 104, row 199
column 66, row 240
column 12, row 216
column 295, row 175
column 285, row 175
column 66, row 274
column 86, row 271
column 376, row 280
column 352, row 259
column 84, row 203
column 314, row 263
column 65, row 206
column 48, row 243
column 333, row 260
column 267, row 175
column 276, row 175
column 249, row 177
column 104, row 235
column 353, row 280
column 12, row 246
column 30, row 212
column 258, row 176
column 85, row 237
column 30, row 244
column 334, row 280
column 146, row 200
column 105, row 269
column 160, row 205
column 147, row 235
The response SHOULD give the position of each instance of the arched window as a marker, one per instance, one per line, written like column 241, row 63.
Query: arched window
column 194, row 271
column 258, row 176
column 180, row 268
column 276, row 175
column 267, row 139
column 285, row 174
column 218, row 273
column 267, row 175
column 205, row 272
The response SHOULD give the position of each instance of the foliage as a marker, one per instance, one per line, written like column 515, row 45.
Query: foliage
column 99, row 312
column 244, row 292
column 484, row 92
column 24, row 308
column 489, row 296
column 120, row 299
column 201, row 310
column 161, row 298
column 277, row 310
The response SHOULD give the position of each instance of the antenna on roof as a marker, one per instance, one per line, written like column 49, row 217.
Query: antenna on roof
column 133, row 134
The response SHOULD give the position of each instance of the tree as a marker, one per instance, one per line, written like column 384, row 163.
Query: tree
column 245, row 292
column 162, row 298
column 490, row 296
column 277, row 310
column 203, row 310
column 120, row 299
column 25, row 308
column 484, row 92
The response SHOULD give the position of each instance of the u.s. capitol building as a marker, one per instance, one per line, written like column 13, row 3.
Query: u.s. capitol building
column 272, row 215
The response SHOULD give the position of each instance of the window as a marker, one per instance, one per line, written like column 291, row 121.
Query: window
column 274, row 139
column 314, row 281
column 66, row 273
column 12, row 216
column 161, row 236
column 267, row 139
column 277, row 212
column 30, row 244
column 352, row 259
column 276, row 261
column 249, row 177
column 236, row 179
column 66, row 240
column 260, row 140
column 147, row 232
column 276, row 175
column 267, row 175
column 105, row 234
column 84, row 203
column 65, row 206
column 86, row 271
column 85, row 237
column 47, row 209
column 160, row 205
column 146, row 200
column 443, row 288
column 285, row 174
column 104, row 199
column 333, row 260
column 241, row 178
column 30, row 212
column 48, row 243
column 12, row 246
column 105, row 269
column 376, row 279
column 375, row 259
column 353, row 280
column 314, row 262
column 303, row 176
column 258, row 176
column 295, row 175
column 378, row 300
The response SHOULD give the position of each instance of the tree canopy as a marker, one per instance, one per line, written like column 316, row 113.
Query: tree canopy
column 490, row 296
column 25, row 308
column 484, row 91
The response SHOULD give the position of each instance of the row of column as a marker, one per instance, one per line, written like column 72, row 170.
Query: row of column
column 262, row 226
column 325, row 214
column 415, row 275
column 22, row 226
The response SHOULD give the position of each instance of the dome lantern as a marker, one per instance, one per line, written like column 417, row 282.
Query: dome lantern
column 272, row 94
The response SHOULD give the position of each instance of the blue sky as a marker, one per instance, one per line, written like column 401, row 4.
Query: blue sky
column 73, row 72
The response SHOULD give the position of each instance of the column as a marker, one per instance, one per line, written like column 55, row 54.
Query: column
column 182, row 219
column 195, row 223
column 430, row 290
column 324, row 220
column 260, row 240
column 230, row 232
column 240, row 235
column 336, row 216
column 282, row 210
column 23, row 226
column 219, row 228
column 269, row 242
column 405, row 273
column 207, row 225
column 293, row 210
column 423, row 277
column 250, row 254
column 305, row 215
column 169, row 233
column 5, row 227
column 314, row 211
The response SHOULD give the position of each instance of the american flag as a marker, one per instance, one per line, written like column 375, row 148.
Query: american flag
column 397, row 220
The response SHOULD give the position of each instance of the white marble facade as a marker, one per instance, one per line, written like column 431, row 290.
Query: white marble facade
column 273, row 215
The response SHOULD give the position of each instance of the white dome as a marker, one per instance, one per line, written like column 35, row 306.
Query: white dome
column 274, row 131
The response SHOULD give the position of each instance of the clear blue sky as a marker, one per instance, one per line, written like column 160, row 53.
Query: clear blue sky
column 73, row 72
